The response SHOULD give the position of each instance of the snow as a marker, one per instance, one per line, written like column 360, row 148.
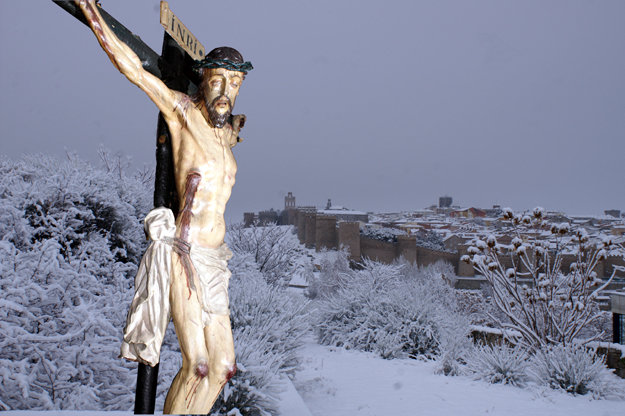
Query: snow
column 607, row 345
column 496, row 331
column 298, row 281
column 54, row 271
column 65, row 413
column 341, row 211
column 291, row 403
column 337, row 382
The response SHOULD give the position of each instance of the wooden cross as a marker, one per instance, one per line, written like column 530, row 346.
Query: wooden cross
column 174, row 68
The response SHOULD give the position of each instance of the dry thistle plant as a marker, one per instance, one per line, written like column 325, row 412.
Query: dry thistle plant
column 541, row 300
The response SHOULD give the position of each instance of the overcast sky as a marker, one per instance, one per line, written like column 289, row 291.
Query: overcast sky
column 381, row 106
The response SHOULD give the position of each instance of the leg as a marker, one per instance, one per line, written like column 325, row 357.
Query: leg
column 189, row 390
column 220, row 346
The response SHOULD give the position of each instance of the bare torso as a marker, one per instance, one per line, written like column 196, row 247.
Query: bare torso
column 204, row 166
column 205, row 170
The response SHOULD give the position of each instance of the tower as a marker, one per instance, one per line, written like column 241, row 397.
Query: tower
column 289, row 201
column 444, row 202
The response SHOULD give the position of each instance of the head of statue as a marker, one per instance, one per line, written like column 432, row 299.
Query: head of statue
column 223, row 70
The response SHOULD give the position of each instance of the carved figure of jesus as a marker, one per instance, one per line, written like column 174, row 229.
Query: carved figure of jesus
column 203, row 132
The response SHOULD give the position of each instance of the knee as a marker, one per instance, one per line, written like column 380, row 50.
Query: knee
column 226, row 370
column 196, row 368
column 201, row 369
column 231, row 371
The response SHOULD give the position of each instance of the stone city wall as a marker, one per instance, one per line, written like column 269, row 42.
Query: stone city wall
column 382, row 251
column 426, row 256
column 325, row 233
column 406, row 248
column 349, row 238
column 310, row 233
column 300, row 225
column 320, row 231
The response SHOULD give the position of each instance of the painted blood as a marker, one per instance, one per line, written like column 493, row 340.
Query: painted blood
column 193, row 181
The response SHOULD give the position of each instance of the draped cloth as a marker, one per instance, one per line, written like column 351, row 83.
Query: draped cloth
column 149, row 311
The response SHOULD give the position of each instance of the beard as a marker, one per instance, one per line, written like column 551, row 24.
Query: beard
column 218, row 120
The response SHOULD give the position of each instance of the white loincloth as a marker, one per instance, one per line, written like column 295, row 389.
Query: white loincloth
column 149, row 311
column 211, row 266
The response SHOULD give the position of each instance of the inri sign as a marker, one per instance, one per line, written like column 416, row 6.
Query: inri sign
column 180, row 33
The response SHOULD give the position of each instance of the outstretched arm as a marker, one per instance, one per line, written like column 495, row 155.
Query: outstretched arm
column 127, row 62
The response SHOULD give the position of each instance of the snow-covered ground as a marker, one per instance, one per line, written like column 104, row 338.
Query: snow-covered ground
column 336, row 382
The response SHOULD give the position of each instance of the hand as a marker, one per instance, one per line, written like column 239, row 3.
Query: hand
column 86, row 5
column 238, row 122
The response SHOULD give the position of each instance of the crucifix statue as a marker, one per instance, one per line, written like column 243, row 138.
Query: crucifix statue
column 184, row 272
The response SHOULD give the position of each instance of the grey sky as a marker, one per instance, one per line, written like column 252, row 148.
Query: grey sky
column 380, row 106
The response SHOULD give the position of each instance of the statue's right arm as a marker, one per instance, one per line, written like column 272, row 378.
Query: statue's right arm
column 129, row 64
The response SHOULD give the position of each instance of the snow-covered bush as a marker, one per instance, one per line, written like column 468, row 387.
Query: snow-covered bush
column 381, row 233
column 393, row 310
column 334, row 272
column 438, row 270
column 430, row 239
column 454, row 341
column 268, row 326
column 275, row 249
column 575, row 369
column 455, row 345
column 499, row 364
column 71, row 236
column 546, row 304
column 477, row 305
column 70, row 239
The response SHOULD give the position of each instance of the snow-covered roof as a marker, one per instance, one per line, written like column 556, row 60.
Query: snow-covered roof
column 340, row 212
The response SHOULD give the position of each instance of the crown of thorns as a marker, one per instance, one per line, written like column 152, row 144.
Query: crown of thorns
column 224, row 63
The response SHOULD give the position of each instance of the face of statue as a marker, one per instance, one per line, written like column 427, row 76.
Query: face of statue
column 220, row 88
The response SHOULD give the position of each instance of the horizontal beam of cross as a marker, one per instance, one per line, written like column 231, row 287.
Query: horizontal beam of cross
column 152, row 62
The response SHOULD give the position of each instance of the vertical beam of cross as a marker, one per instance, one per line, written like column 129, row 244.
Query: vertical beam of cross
column 176, row 76
column 174, row 68
column 165, row 195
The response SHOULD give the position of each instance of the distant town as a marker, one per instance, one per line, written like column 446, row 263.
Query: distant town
column 440, row 232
